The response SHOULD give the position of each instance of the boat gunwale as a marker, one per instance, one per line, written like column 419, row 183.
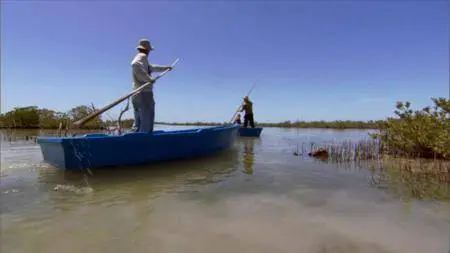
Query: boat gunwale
column 93, row 136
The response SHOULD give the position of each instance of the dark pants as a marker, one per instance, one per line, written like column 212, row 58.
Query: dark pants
column 247, row 118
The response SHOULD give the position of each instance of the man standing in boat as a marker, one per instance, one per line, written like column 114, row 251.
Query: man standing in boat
column 143, row 102
column 248, row 108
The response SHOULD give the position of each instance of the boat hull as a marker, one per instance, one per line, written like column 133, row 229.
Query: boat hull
column 250, row 132
column 101, row 150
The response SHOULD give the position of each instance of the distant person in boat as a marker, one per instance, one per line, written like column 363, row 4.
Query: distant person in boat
column 144, row 103
column 238, row 119
column 248, row 108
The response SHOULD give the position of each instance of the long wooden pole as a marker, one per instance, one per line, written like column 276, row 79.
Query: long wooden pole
column 86, row 119
column 239, row 108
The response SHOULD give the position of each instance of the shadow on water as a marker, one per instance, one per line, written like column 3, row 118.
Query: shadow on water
column 134, row 183
column 204, row 179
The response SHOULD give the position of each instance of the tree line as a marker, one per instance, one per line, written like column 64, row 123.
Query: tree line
column 35, row 117
column 338, row 124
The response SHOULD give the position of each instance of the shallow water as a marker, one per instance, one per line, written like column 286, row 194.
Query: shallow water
column 255, row 197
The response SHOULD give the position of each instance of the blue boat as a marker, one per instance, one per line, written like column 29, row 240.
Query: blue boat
column 101, row 150
column 250, row 132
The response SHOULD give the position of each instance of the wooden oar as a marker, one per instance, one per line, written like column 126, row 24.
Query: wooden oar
column 240, row 106
column 86, row 119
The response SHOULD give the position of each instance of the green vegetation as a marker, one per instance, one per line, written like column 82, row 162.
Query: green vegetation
column 34, row 117
column 417, row 133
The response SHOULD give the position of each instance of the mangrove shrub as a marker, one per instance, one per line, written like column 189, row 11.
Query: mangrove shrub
column 417, row 133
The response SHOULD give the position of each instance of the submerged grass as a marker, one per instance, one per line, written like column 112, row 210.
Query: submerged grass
column 409, row 177
column 417, row 178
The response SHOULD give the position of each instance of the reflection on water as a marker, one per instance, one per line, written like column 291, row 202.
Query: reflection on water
column 414, row 179
column 255, row 197
column 248, row 154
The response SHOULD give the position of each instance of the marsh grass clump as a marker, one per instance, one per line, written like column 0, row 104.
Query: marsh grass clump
column 373, row 150
column 345, row 151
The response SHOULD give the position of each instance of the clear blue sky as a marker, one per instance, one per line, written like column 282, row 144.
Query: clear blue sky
column 311, row 60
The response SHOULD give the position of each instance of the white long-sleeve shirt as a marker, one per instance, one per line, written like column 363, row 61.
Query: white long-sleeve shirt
column 142, row 70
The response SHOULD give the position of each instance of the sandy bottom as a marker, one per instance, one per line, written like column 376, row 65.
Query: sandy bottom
column 245, row 223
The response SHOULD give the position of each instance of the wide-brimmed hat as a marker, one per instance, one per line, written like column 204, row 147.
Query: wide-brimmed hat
column 145, row 45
